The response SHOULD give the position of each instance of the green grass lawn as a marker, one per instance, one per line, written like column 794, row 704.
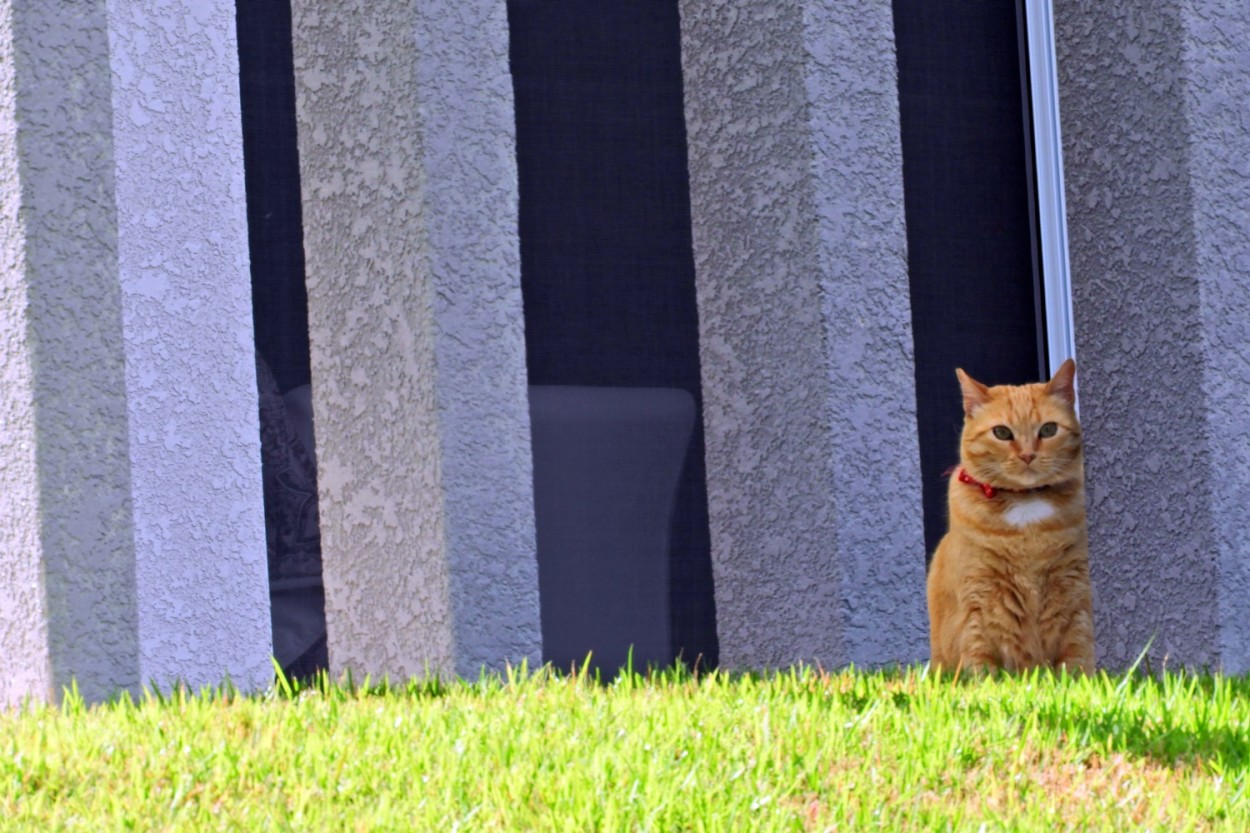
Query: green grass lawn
column 799, row 750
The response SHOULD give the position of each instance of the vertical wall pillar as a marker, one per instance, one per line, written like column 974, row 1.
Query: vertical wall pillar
column 407, row 160
column 808, row 378
column 133, row 546
column 199, row 531
column 67, row 591
column 1156, row 140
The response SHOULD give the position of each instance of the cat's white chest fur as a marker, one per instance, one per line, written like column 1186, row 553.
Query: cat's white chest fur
column 1029, row 511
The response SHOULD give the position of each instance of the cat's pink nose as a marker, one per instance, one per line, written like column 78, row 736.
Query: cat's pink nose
column 1028, row 458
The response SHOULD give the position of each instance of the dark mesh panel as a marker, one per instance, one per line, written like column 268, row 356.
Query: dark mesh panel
column 280, row 316
column 606, row 262
column 971, row 229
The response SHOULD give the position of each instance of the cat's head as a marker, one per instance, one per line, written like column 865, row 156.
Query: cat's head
column 1021, row 436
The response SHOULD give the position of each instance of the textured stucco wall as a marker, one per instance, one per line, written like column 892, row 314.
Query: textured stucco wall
column 24, row 659
column 66, row 488
column 1216, row 96
column 469, row 148
column 133, row 446
column 182, row 263
column 407, row 159
column 1156, row 140
column 809, row 402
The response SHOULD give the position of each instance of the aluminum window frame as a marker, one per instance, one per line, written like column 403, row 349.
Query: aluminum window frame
column 1051, row 204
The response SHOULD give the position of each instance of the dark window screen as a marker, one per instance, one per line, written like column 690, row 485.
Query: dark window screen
column 971, row 228
column 280, row 319
column 606, row 261
column 274, row 217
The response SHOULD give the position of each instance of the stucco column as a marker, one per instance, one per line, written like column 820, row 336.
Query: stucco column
column 407, row 161
column 809, row 400
column 1156, row 142
column 132, row 542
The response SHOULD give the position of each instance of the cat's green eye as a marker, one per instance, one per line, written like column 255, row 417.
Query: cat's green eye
column 1048, row 429
column 1002, row 432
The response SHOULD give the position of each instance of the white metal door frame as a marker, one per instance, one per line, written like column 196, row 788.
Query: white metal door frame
column 1048, row 152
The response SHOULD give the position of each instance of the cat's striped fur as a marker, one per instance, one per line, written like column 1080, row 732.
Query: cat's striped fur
column 1008, row 586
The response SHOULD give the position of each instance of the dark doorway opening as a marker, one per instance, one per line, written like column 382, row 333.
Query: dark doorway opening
column 280, row 319
column 607, row 274
column 970, row 202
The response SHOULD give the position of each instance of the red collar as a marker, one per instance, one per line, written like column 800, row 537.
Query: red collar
column 989, row 490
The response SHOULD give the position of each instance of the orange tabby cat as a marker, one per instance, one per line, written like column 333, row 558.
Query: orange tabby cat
column 1009, row 583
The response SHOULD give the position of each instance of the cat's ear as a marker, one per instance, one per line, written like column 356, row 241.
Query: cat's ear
column 975, row 393
column 1062, row 384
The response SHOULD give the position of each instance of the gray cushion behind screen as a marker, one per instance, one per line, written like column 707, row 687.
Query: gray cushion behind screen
column 606, row 468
